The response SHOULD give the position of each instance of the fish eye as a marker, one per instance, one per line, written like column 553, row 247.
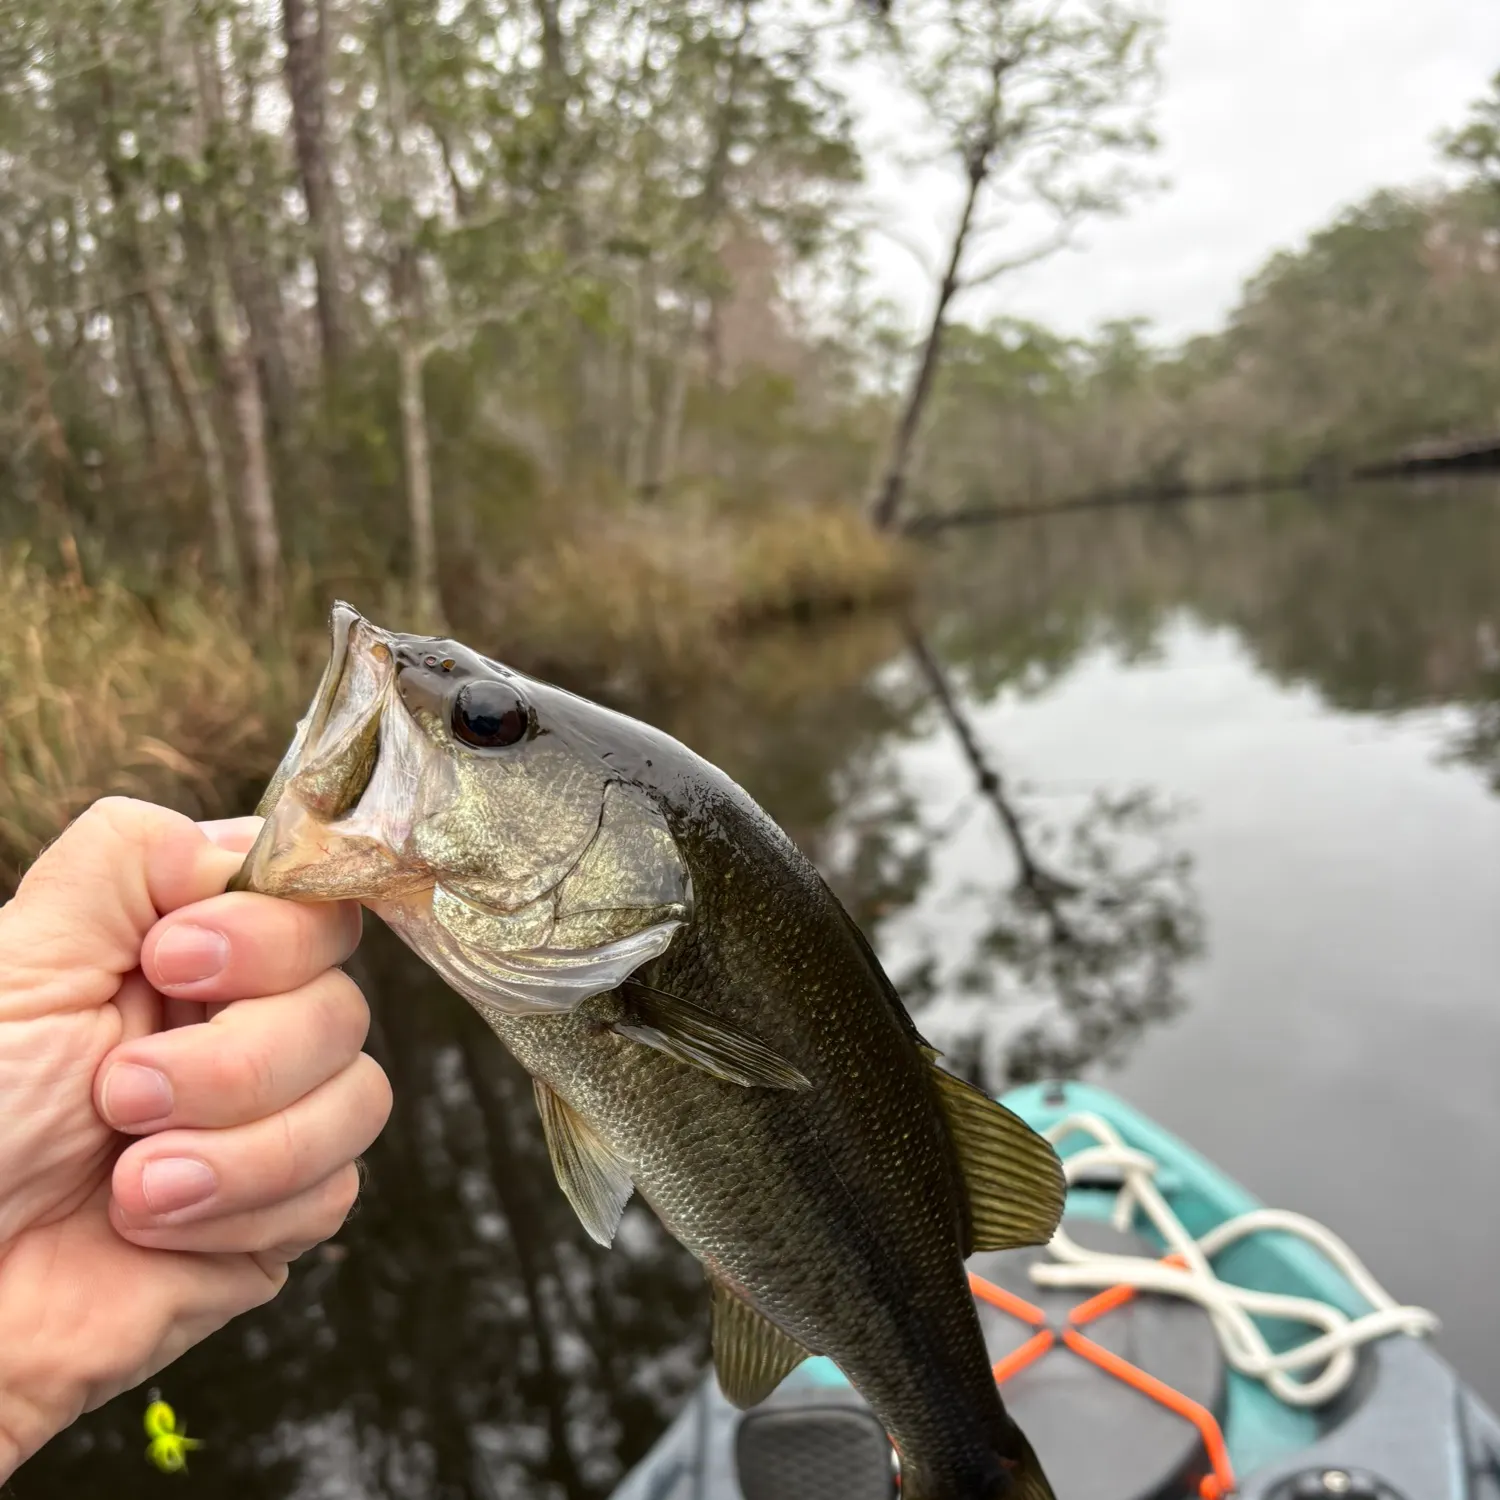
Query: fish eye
column 489, row 715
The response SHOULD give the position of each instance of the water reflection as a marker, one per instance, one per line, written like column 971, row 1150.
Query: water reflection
column 1086, row 932
column 1378, row 599
column 463, row 1337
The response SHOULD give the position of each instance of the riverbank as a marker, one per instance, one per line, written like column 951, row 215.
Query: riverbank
column 173, row 697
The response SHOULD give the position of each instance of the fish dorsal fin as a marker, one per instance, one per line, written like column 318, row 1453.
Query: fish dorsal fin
column 752, row 1356
column 886, row 988
column 1014, row 1179
column 702, row 1040
column 595, row 1180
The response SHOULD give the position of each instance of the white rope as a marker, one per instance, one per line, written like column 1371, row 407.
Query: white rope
column 1231, row 1307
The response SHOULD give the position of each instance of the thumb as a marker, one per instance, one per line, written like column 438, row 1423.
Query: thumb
column 75, row 925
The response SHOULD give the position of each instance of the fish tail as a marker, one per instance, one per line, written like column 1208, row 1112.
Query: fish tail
column 1010, row 1471
column 1028, row 1481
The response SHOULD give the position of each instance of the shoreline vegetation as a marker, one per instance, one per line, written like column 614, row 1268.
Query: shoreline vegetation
column 1448, row 459
column 173, row 696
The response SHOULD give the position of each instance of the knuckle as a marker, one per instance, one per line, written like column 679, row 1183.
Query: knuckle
column 343, row 1194
column 375, row 1092
column 274, row 1271
column 321, row 1216
column 288, row 1155
column 353, row 928
column 323, row 934
column 245, row 1077
column 115, row 810
column 128, row 818
column 342, row 1011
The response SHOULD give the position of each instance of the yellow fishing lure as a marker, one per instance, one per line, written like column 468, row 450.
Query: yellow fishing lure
column 168, row 1448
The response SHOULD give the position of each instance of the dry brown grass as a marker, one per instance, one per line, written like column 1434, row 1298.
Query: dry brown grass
column 804, row 561
column 650, row 595
column 100, row 694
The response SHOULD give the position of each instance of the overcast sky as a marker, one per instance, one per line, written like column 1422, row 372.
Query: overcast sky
column 1274, row 114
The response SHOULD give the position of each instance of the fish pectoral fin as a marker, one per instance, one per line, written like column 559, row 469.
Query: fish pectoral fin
column 1014, row 1179
column 699, row 1038
column 595, row 1180
column 752, row 1356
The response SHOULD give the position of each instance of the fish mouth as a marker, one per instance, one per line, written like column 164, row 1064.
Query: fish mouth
column 332, row 757
column 343, row 620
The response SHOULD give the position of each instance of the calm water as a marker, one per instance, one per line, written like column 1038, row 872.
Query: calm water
column 1243, row 866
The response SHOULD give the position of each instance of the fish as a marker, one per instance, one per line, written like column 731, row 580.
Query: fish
column 703, row 1023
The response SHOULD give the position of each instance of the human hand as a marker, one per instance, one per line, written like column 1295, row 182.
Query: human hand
column 114, row 1261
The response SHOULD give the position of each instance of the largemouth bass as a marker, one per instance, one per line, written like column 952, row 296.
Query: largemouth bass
column 703, row 1022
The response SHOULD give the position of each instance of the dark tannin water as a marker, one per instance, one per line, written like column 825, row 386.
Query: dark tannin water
column 1242, row 866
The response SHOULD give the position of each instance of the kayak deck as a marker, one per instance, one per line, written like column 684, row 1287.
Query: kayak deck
column 1404, row 1428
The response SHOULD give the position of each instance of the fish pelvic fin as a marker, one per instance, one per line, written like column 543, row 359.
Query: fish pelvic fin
column 1014, row 1180
column 752, row 1356
column 595, row 1180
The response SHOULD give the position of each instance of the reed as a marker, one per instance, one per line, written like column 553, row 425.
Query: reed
column 643, row 597
column 178, row 699
column 103, row 692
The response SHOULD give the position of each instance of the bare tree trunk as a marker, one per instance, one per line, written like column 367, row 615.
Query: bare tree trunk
column 259, row 296
column 57, row 458
column 463, row 203
column 711, row 202
column 191, row 399
column 305, row 27
column 892, row 489
column 667, row 446
column 240, row 238
column 713, row 343
column 133, row 335
column 554, row 64
column 243, row 347
column 406, row 293
column 257, row 502
column 427, row 604
column 660, row 430
column 192, row 403
column 638, row 379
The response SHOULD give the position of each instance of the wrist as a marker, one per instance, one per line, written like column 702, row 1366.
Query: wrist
column 39, row 1394
column 24, row 1426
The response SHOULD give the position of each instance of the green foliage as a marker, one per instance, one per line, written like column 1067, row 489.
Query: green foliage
column 1056, row 97
column 1476, row 145
column 1382, row 331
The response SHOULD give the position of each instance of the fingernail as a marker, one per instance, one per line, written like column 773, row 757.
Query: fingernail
column 135, row 1095
column 234, row 834
column 173, row 1182
column 185, row 954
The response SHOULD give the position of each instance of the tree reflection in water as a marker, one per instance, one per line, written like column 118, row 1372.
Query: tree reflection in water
column 1081, row 942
